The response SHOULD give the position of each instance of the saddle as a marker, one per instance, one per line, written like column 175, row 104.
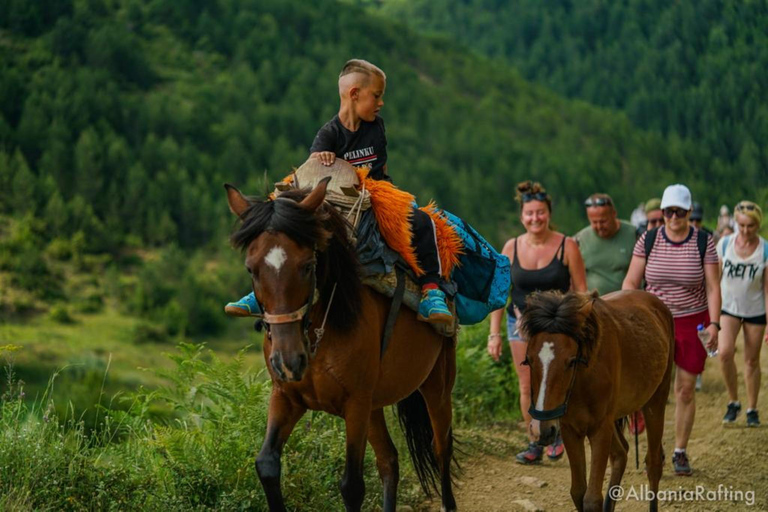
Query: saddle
column 476, row 278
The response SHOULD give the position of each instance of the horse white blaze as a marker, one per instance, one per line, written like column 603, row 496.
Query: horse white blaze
column 546, row 355
column 276, row 257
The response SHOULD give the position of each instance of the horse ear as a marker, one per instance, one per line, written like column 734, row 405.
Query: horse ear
column 315, row 198
column 586, row 309
column 237, row 201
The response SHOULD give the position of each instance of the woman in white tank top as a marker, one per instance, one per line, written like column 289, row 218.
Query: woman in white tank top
column 744, row 286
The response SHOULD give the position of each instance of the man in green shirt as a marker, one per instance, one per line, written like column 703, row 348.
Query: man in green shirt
column 606, row 244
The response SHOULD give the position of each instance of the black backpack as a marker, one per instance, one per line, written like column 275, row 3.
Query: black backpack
column 701, row 242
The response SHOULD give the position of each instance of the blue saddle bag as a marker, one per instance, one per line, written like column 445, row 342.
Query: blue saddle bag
column 482, row 275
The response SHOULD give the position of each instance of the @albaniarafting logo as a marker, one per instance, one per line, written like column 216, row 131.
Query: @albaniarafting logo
column 698, row 493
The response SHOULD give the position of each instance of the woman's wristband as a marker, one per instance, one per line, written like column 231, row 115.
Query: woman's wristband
column 494, row 335
column 716, row 324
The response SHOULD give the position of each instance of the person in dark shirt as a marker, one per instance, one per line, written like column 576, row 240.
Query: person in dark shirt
column 357, row 135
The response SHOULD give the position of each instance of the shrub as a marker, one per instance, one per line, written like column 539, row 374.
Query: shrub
column 60, row 314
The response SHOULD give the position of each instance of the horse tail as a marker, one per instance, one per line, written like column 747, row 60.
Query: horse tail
column 417, row 427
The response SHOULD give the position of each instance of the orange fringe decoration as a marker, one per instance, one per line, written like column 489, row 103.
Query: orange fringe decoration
column 449, row 244
column 393, row 210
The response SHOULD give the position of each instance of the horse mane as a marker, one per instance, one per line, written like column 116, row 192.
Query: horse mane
column 558, row 313
column 324, row 229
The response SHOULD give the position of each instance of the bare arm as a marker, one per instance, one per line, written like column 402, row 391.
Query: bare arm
column 765, row 293
column 635, row 273
column 714, row 300
column 494, row 337
column 575, row 266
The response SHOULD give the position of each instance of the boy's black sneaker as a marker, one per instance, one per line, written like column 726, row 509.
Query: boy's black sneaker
column 734, row 408
column 753, row 420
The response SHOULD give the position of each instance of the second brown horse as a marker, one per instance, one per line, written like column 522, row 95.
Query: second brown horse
column 594, row 361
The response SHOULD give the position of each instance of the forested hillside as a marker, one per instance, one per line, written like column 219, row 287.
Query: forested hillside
column 121, row 120
column 695, row 68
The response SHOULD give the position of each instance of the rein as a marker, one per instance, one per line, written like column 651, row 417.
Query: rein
column 559, row 411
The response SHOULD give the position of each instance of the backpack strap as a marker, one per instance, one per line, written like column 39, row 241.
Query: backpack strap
column 726, row 240
column 702, row 237
column 765, row 251
column 650, row 239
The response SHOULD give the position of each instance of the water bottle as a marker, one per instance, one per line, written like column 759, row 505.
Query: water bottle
column 704, row 336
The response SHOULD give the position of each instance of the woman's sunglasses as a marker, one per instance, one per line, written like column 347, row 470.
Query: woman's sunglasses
column 745, row 207
column 598, row 201
column 538, row 196
column 652, row 223
column 675, row 212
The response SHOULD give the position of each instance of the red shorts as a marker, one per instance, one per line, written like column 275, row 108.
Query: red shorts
column 689, row 352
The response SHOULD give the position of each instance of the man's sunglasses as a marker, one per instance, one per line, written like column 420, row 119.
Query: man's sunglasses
column 538, row 196
column 598, row 201
column 675, row 212
column 745, row 207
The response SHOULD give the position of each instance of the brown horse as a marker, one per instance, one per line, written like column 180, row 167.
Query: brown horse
column 304, row 268
column 594, row 361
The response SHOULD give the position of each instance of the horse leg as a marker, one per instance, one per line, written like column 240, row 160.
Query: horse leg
column 386, row 458
column 574, row 447
column 282, row 417
column 654, row 426
column 356, row 418
column 436, row 391
column 600, row 441
column 619, row 449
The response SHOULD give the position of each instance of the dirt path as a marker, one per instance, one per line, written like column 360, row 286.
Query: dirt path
column 730, row 458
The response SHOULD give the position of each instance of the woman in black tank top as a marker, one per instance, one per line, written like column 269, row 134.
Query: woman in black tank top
column 542, row 260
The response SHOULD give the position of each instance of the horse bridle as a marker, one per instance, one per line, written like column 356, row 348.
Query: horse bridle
column 301, row 314
column 559, row 411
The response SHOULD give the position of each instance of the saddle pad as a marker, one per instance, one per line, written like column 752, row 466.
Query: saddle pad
column 386, row 283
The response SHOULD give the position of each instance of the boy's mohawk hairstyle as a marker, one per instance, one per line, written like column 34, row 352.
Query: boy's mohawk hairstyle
column 361, row 66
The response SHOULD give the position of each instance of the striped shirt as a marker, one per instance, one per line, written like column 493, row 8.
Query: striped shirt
column 674, row 272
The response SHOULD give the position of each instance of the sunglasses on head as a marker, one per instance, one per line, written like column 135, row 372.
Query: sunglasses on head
column 745, row 207
column 598, row 201
column 538, row 196
column 655, row 222
column 675, row 212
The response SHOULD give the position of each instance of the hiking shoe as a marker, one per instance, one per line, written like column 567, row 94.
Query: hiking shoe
column 556, row 449
column 682, row 466
column 247, row 306
column 433, row 308
column 532, row 455
column 637, row 428
column 753, row 420
column 734, row 408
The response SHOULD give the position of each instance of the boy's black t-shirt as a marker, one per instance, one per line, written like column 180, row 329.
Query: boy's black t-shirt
column 365, row 147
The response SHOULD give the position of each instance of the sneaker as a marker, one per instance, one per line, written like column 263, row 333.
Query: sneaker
column 247, row 306
column 734, row 408
column 530, row 456
column 639, row 427
column 433, row 307
column 682, row 466
column 556, row 449
column 753, row 420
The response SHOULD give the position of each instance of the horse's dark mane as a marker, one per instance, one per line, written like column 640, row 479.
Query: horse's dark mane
column 325, row 229
column 558, row 313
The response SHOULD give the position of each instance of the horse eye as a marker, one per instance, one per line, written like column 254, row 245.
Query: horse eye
column 307, row 268
column 525, row 362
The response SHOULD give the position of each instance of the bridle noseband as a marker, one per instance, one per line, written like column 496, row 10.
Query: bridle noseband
column 559, row 411
column 301, row 314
